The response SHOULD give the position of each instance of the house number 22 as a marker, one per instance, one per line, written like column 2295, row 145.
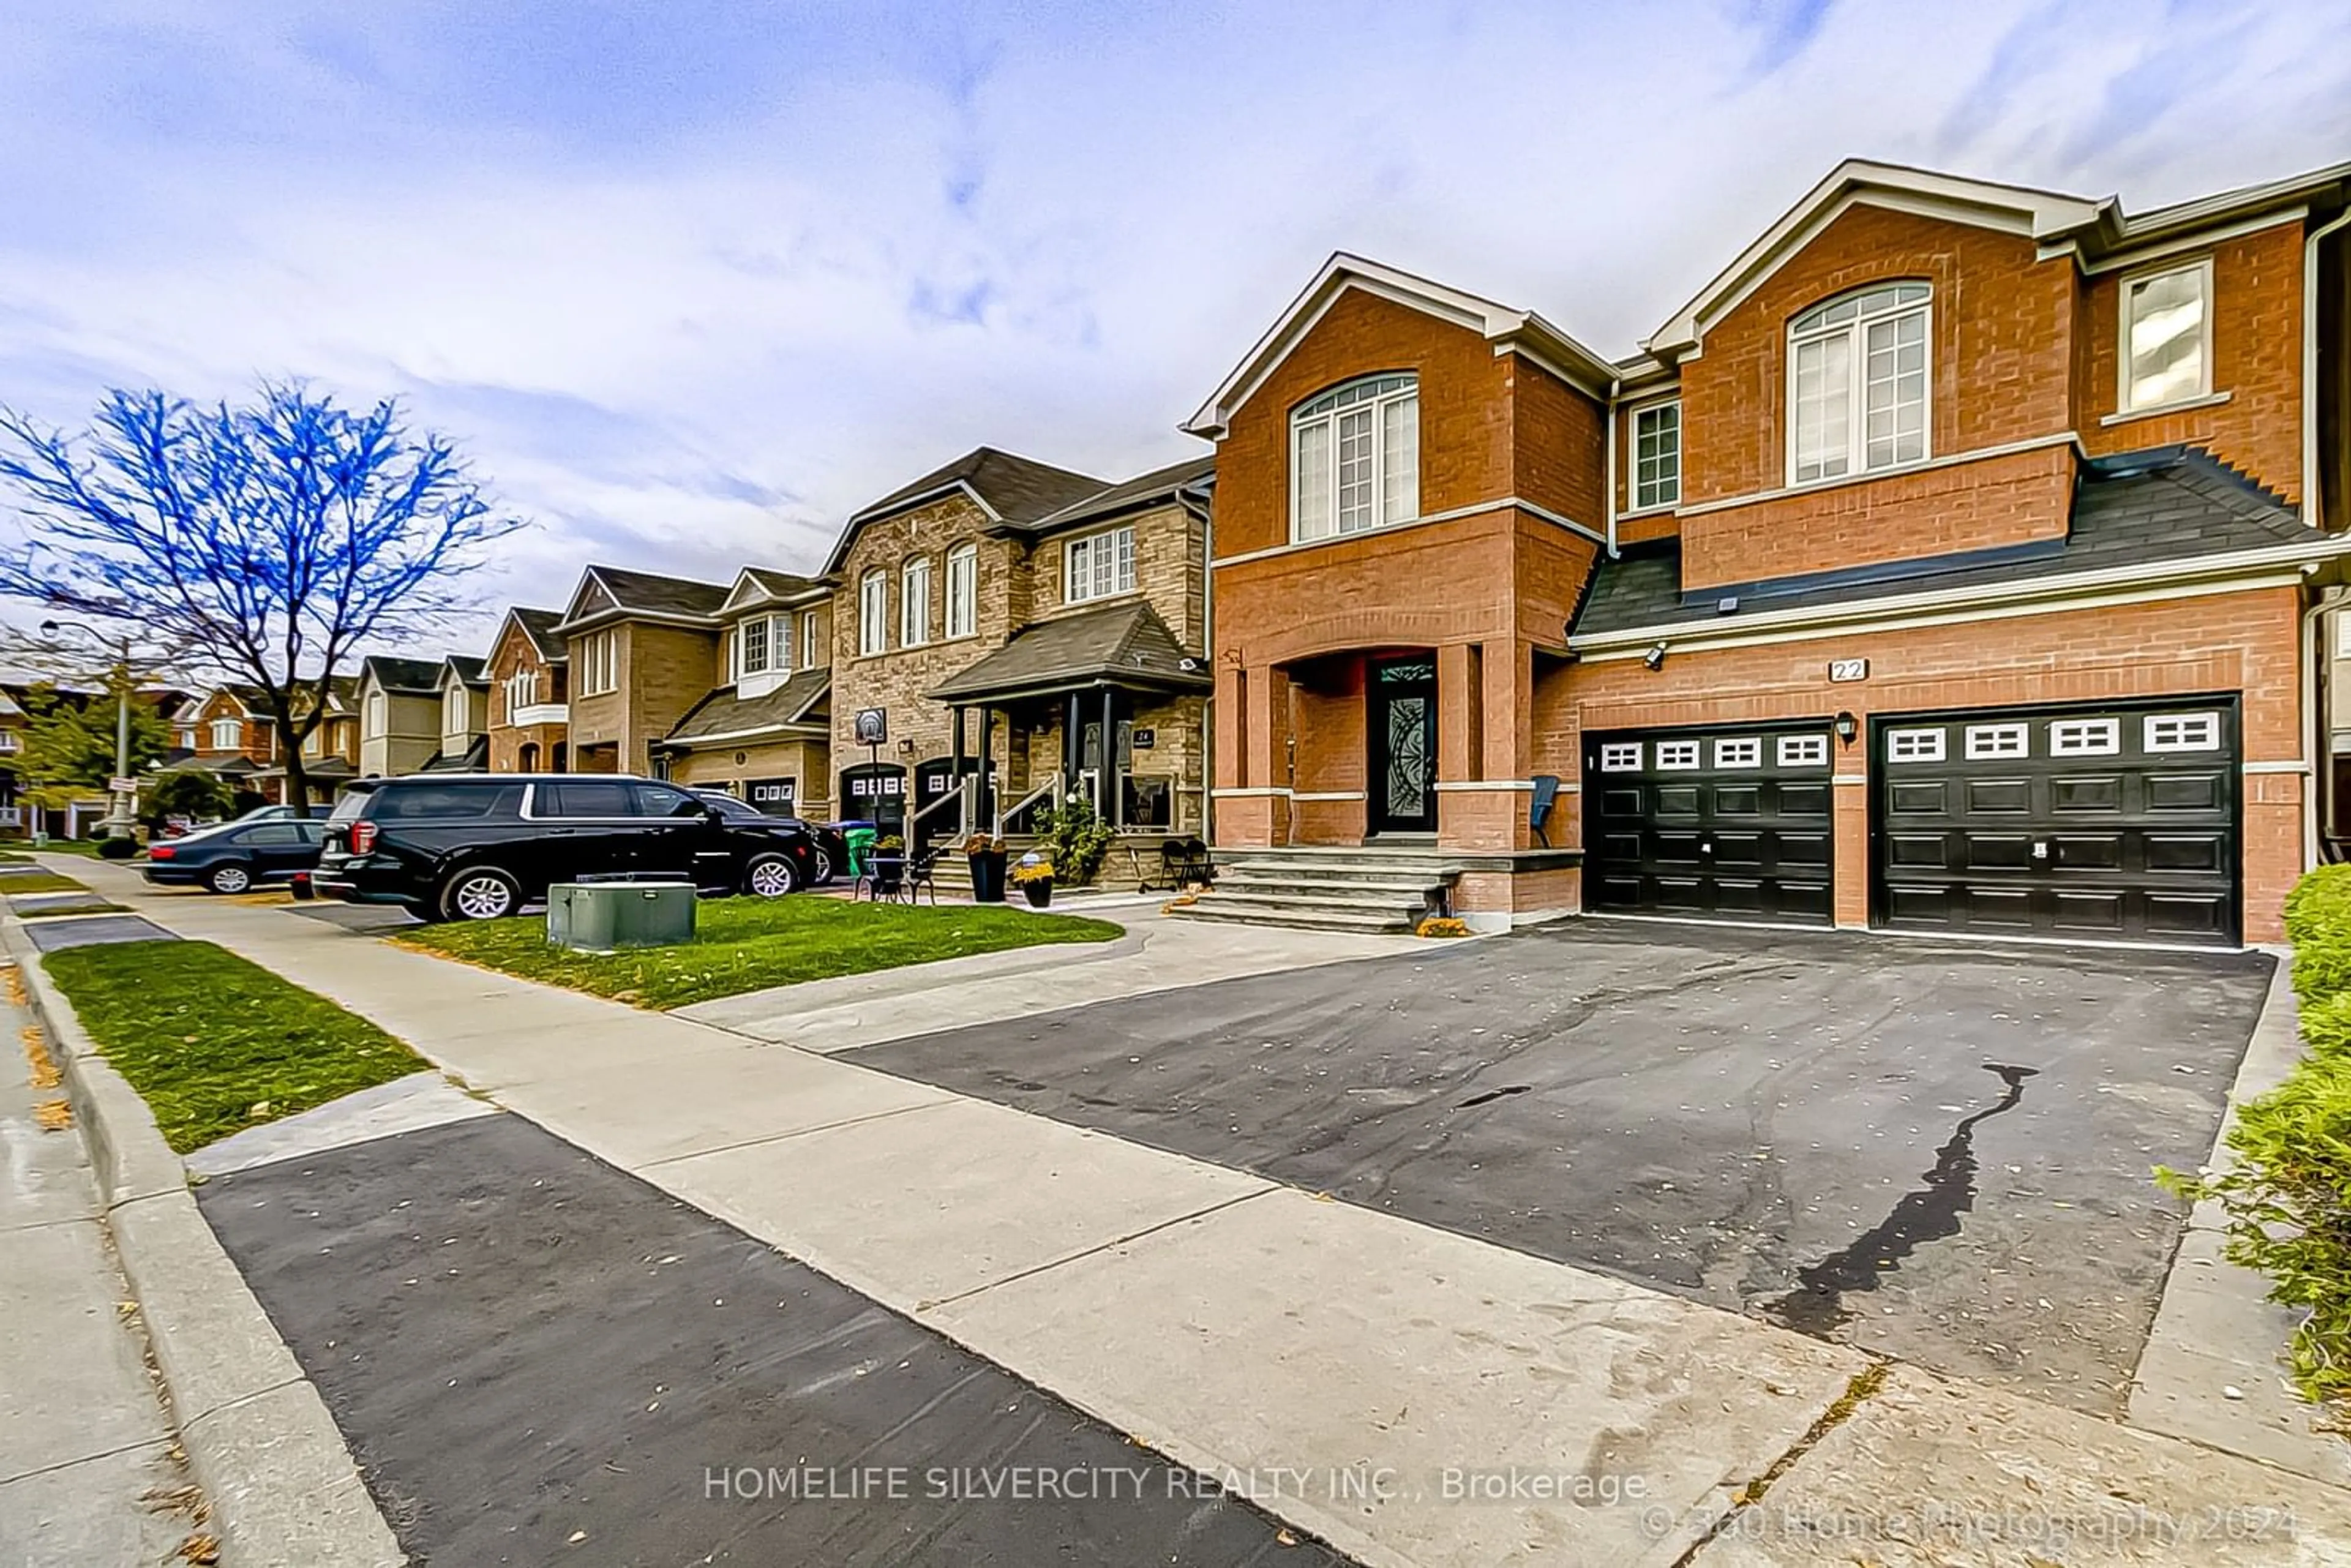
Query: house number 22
column 1848, row 669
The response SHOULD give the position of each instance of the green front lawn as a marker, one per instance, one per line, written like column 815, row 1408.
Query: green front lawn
column 749, row 943
column 40, row 882
column 215, row 1044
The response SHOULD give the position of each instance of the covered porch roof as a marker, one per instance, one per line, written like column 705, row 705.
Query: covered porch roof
column 1121, row 645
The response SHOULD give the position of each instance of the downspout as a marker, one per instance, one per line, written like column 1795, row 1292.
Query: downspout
column 1608, row 504
column 2318, row 790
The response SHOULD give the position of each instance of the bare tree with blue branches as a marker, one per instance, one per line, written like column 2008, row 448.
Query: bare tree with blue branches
column 264, row 543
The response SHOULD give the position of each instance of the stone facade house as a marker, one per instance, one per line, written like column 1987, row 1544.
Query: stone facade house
column 1951, row 563
column 763, row 731
column 1020, row 624
column 642, row 649
column 528, row 698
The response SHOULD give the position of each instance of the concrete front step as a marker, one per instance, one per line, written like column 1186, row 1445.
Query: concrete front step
column 1268, row 879
column 1216, row 907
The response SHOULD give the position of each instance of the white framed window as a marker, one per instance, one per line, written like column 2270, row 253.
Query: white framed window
column 596, row 657
column 1658, row 456
column 2181, row 732
column 228, row 734
column 874, row 612
column 1678, row 755
column 187, row 739
column 2085, row 736
column 453, row 711
column 1997, row 740
column 522, row 690
column 808, row 640
column 1914, row 745
column 963, row 590
column 1858, row 373
column 915, row 603
column 754, row 646
column 313, row 741
column 1098, row 566
column 2167, row 336
column 1803, row 751
column 1621, row 756
column 1355, row 458
column 1747, row 752
column 378, row 706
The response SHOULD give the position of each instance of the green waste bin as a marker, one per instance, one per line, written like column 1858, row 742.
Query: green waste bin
column 860, row 841
column 604, row 916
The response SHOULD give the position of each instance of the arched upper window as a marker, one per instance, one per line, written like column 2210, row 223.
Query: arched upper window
column 1355, row 457
column 915, row 603
column 874, row 612
column 1857, row 382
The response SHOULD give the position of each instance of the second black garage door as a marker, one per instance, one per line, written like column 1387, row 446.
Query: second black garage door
column 1726, row 823
column 2112, row 821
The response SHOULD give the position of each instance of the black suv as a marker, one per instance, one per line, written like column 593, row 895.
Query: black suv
column 478, row 846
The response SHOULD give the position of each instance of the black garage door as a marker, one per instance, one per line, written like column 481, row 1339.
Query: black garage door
column 2116, row 821
column 1728, row 822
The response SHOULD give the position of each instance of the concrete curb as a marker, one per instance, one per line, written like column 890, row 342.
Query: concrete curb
column 284, row 1490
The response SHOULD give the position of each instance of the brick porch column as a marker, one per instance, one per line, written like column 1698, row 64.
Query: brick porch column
column 1495, row 711
column 1253, row 756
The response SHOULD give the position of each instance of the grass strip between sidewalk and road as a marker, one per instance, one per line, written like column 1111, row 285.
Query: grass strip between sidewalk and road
column 39, row 881
column 216, row 1043
column 749, row 943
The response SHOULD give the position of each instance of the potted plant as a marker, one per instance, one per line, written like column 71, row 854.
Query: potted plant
column 1035, row 876
column 886, row 866
column 986, row 856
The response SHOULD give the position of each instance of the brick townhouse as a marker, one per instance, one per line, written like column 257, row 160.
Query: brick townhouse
column 1950, row 563
column 528, row 711
column 229, row 732
column 642, row 649
column 762, row 732
column 1006, row 620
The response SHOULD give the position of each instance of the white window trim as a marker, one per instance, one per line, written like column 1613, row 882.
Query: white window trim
column 1857, row 401
column 2085, row 736
column 1329, row 417
column 598, row 663
column 2204, row 393
column 2206, row 728
column 741, row 644
column 914, row 609
column 963, row 599
column 1739, row 752
column 228, row 734
column 1987, row 742
column 1633, row 457
column 1092, row 542
column 1931, row 745
column 1672, row 757
column 1621, row 756
column 1801, row 751
column 808, row 640
column 873, row 612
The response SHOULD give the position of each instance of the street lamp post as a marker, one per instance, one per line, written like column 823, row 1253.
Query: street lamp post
column 121, row 806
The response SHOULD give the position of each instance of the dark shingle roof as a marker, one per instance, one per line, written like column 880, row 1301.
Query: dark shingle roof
column 474, row 672
column 540, row 626
column 1126, row 644
column 782, row 584
column 402, row 675
column 1016, row 489
column 724, row 713
column 647, row 593
column 1142, row 490
column 2140, row 508
column 474, row 759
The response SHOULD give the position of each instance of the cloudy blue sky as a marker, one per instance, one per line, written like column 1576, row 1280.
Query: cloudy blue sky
column 692, row 279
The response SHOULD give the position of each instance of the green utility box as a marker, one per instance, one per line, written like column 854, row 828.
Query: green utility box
column 601, row 916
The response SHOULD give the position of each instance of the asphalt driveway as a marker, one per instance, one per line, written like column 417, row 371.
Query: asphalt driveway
column 1939, row 1152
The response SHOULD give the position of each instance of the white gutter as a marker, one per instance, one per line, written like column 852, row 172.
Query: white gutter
column 1608, row 502
column 2068, row 586
column 2314, row 738
column 2318, row 784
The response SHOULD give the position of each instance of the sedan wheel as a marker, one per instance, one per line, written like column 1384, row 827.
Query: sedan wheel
column 770, row 876
column 821, row 868
column 229, row 879
column 485, row 893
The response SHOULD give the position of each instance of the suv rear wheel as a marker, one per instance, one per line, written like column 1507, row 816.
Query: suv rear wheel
column 480, row 893
column 771, row 875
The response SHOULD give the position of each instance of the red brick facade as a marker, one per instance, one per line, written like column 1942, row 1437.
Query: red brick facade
column 1514, row 465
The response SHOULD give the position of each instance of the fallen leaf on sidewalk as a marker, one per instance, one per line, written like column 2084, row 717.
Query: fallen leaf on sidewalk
column 36, row 1051
column 54, row 1115
column 200, row 1549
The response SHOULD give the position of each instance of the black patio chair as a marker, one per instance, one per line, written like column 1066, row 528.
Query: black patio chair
column 884, row 879
column 919, row 876
column 1539, row 807
column 1193, row 863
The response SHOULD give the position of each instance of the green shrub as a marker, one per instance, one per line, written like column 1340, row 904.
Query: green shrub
column 1075, row 839
column 120, row 849
column 2288, row 1197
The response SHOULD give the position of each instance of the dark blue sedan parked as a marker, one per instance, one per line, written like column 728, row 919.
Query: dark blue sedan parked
column 237, row 856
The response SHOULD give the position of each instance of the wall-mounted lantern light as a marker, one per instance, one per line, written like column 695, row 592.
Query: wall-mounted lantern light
column 1847, row 727
column 1655, row 659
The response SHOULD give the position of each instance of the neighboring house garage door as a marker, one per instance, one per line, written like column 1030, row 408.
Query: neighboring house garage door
column 1730, row 823
column 2116, row 821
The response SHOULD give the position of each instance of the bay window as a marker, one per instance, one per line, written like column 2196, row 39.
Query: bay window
column 1355, row 458
column 752, row 647
column 1657, row 455
column 1857, row 383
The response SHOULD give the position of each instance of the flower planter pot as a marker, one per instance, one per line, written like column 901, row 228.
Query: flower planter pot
column 988, row 876
column 1038, row 893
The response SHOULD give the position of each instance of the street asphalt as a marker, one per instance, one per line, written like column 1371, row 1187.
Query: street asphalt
column 1940, row 1152
column 537, row 1359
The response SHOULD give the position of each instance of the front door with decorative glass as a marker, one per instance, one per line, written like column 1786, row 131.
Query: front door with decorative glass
column 1400, row 708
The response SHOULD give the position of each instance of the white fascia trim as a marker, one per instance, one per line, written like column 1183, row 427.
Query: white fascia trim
column 688, row 742
column 1928, row 465
column 2156, row 411
column 2125, row 256
column 1857, row 182
column 1954, row 607
column 2290, row 766
column 1597, row 391
column 1492, row 786
column 1542, row 514
column 1327, row 795
column 1272, row 791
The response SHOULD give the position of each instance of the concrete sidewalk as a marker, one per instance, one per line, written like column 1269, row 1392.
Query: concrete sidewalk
column 89, row 1460
column 1411, row 1396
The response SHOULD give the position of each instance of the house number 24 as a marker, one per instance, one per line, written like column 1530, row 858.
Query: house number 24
column 1848, row 669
